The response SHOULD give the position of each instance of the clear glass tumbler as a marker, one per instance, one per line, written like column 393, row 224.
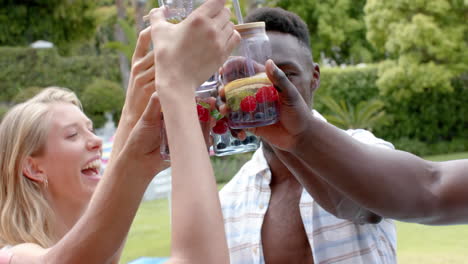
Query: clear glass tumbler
column 225, row 144
column 178, row 10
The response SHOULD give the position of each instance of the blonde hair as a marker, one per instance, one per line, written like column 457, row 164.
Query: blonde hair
column 25, row 214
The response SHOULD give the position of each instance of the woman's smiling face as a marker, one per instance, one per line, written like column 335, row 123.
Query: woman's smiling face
column 71, row 159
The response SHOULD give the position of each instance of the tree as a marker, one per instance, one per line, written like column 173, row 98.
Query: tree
column 140, row 11
column 337, row 28
column 120, row 37
column 65, row 23
column 425, row 42
column 126, row 48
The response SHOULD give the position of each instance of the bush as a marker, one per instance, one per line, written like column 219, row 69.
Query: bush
column 414, row 146
column 352, row 84
column 64, row 23
column 3, row 110
column 420, row 148
column 27, row 67
column 430, row 116
column 25, row 94
column 429, row 122
column 103, row 96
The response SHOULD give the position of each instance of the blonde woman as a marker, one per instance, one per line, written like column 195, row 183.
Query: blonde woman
column 46, row 177
column 49, row 172
column 50, row 148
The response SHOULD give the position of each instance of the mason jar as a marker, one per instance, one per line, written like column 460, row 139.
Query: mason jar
column 251, row 98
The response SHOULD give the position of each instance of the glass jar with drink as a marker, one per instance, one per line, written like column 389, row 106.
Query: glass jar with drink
column 250, row 96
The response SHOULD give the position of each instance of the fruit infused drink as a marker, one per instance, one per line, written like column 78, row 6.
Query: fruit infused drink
column 252, row 101
column 225, row 144
column 250, row 96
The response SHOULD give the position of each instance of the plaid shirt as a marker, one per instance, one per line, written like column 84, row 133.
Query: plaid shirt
column 244, row 202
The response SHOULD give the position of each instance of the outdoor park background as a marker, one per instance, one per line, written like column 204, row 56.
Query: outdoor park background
column 398, row 68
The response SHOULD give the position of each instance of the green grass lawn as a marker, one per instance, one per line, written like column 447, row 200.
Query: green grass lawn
column 453, row 156
column 150, row 233
column 417, row 244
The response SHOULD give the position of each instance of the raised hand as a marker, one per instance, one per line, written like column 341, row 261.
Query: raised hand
column 196, row 47
column 141, row 84
column 140, row 88
column 144, row 140
column 294, row 113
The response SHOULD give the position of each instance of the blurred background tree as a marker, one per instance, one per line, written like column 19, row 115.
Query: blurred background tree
column 64, row 23
column 337, row 29
column 101, row 97
column 425, row 42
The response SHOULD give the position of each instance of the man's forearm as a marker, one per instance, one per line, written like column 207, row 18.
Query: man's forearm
column 327, row 196
column 390, row 183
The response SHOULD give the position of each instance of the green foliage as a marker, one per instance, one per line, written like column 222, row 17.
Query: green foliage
column 62, row 22
column 421, row 148
column 3, row 110
column 405, row 77
column 430, row 116
column 428, row 120
column 105, row 2
column 426, row 42
column 366, row 114
column 100, row 97
column 243, row 8
column 353, row 84
column 337, row 28
column 26, row 94
column 130, row 35
column 26, row 67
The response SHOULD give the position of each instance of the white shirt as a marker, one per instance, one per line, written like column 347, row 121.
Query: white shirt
column 245, row 199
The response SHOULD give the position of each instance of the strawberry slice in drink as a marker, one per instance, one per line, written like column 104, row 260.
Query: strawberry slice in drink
column 266, row 94
column 248, row 104
column 203, row 113
column 221, row 127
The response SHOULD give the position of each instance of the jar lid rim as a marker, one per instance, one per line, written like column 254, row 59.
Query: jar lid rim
column 245, row 26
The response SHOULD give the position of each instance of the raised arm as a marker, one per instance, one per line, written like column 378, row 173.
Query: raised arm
column 393, row 184
column 99, row 233
column 281, row 136
column 187, row 54
column 140, row 88
column 325, row 194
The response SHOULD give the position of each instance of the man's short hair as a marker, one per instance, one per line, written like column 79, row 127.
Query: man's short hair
column 280, row 20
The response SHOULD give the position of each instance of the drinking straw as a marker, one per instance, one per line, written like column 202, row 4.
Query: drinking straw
column 237, row 9
column 240, row 20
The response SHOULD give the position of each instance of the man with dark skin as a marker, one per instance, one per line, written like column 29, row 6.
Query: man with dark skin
column 391, row 183
column 269, row 213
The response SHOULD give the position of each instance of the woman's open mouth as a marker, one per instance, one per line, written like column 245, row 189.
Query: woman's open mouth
column 91, row 170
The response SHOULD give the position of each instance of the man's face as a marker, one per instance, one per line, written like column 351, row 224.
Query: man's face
column 295, row 61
